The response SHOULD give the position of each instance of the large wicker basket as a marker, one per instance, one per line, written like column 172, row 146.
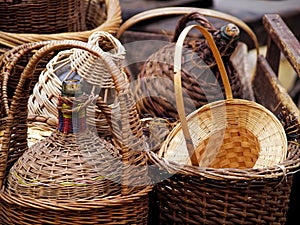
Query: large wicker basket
column 128, row 207
column 187, row 194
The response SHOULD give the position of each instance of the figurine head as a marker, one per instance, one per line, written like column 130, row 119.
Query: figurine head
column 230, row 31
column 72, row 87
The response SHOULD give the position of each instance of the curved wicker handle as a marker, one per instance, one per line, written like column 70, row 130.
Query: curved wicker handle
column 129, row 117
column 178, row 86
column 171, row 11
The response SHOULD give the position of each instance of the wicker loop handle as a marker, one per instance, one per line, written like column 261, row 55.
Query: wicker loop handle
column 171, row 11
column 121, row 86
column 178, row 86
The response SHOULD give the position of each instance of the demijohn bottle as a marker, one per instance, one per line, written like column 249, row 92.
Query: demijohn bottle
column 72, row 163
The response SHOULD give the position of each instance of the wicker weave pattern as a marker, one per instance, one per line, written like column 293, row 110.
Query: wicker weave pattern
column 100, row 15
column 79, row 63
column 28, row 16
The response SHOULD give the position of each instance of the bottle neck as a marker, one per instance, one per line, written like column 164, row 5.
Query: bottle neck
column 71, row 116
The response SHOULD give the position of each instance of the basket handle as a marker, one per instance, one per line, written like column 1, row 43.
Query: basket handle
column 171, row 11
column 130, row 142
column 178, row 86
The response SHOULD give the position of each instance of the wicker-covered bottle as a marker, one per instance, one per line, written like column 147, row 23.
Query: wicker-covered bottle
column 72, row 163
column 201, row 80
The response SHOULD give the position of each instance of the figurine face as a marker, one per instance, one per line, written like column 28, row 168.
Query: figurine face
column 71, row 87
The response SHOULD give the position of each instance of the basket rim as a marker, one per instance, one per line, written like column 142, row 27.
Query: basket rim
column 231, row 103
column 79, row 204
column 111, row 25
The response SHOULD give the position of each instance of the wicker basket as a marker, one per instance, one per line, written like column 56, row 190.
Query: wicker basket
column 128, row 207
column 154, row 87
column 93, row 15
column 231, row 133
column 76, row 62
column 188, row 194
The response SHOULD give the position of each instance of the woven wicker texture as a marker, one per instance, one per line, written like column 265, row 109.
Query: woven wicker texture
column 190, row 194
column 97, row 15
column 154, row 88
column 74, row 63
column 261, row 142
column 54, row 203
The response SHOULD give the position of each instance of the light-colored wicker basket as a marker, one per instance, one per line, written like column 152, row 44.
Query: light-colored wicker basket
column 231, row 133
column 76, row 62
column 128, row 207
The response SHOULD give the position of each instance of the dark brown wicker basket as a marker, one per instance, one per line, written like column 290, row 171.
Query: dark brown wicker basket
column 130, row 206
column 154, row 89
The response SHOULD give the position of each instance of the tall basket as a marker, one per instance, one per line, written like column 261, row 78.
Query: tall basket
column 206, row 189
column 130, row 206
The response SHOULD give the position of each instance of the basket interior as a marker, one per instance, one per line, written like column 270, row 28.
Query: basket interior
column 229, row 134
column 236, row 147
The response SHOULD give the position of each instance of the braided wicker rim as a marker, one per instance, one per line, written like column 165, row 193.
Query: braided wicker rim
column 111, row 25
column 127, row 140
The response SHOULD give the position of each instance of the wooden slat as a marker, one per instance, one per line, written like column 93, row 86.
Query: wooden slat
column 269, row 92
column 283, row 37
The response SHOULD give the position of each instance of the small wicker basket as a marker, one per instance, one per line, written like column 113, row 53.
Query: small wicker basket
column 231, row 133
column 128, row 207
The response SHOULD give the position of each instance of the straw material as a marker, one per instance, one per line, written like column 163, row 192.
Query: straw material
column 74, row 63
column 85, row 197
column 262, row 139
column 234, row 134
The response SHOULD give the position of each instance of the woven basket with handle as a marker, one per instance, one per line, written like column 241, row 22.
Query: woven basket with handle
column 154, row 89
column 229, row 193
column 74, row 63
column 230, row 133
column 130, row 206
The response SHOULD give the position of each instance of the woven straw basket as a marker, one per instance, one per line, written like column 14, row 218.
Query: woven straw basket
column 76, row 62
column 221, row 192
column 154, row 87
column 234, row 133
column 130, row 206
